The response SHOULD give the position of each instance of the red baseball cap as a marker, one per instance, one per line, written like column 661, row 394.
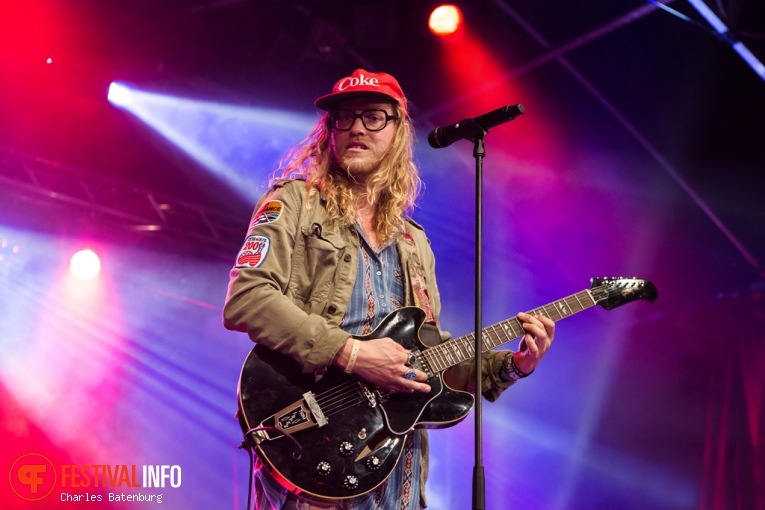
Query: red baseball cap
column 363, row 84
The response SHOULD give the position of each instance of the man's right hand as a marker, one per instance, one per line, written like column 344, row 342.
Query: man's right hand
column 383, row 362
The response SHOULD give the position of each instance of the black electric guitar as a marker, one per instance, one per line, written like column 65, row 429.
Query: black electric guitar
column 341, row 437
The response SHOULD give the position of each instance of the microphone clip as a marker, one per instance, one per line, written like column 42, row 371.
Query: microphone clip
column 469, row 129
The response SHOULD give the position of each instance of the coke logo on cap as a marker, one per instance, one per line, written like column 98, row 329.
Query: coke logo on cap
column 353, row 81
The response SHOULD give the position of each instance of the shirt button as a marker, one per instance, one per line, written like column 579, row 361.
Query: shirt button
column 347, row 257
column 379, row 273
column 332, row 309
column 384, row 305
column 382, row 296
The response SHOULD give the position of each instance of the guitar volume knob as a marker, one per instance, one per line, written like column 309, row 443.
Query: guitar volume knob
column 345, row 449
column 323, row 468
column 373, row 463
column 350, row 482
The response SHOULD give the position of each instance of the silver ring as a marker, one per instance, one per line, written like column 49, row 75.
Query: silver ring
column 410, row 375
column 411, row 360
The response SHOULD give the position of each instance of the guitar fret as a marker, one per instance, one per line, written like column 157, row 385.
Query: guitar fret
column 469, row 342
column 449, row 359
column 458, row 352
column 431, row 358
column 551, row 311
column 457, row 348
column 571, row 305
column 509, row 325
column 499, row 335
column 461, row 349
column 504, row 326
column 491, row 336
column 563, row 308
column 441, row 360
column 487, row 338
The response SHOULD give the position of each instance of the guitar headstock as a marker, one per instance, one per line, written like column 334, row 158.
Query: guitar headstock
column 612, row 292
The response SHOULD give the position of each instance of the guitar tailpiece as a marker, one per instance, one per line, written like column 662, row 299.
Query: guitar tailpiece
column 260, row 432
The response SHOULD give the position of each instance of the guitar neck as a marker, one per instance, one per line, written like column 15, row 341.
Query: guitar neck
column 462, row 348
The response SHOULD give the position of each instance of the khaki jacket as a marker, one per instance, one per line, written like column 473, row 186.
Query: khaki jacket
column 292, row 295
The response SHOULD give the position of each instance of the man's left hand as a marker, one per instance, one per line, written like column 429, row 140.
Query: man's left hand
column 539, row 333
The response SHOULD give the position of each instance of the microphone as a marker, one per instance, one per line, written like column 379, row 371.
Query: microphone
column 467, row 128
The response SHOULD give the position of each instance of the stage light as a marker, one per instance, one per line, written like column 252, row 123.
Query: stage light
column 85, row 265
column 721, row 28
column 227, row 139
column 445, row 20
column 119, row 94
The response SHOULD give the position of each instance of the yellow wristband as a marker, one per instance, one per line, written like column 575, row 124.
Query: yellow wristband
column 354, row 355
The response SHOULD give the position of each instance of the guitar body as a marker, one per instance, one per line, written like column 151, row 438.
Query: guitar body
column 365, row 430
column 339, row 437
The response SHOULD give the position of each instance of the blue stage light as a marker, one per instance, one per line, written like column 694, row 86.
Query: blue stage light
column 120, row 95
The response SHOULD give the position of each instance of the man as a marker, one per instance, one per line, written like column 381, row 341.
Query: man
column 330, row 252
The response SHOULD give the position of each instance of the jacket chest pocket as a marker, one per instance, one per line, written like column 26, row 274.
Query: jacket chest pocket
column 315, row 264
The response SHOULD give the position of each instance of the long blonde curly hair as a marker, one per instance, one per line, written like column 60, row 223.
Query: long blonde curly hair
column 394, row 187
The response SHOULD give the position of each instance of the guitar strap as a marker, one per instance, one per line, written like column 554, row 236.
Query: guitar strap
column 417, row 280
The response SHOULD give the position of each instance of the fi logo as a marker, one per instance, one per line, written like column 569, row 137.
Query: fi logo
column 32, row 476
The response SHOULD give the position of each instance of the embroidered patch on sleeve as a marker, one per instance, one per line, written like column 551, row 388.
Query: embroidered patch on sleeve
column 268, row 213
column 253, row 252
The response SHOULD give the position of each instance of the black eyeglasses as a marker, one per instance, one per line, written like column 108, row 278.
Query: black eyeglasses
column 373, row 120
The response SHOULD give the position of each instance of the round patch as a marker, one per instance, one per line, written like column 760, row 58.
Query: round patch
column 253, row 252
column 268, row 213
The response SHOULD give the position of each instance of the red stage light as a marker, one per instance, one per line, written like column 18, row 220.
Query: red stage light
column 445, row 20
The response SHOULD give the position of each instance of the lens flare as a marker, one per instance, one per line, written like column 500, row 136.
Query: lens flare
column 85, row 265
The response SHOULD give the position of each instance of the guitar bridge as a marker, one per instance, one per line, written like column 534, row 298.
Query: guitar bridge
column 310, row 399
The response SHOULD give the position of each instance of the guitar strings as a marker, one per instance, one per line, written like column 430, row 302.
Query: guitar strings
column 443, row 356
column 336, row 391
column 342, row 405
column 340, row 398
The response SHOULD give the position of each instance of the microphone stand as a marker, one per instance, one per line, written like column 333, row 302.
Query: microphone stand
column 476, row 133
column 478, row 475
column 475, row 130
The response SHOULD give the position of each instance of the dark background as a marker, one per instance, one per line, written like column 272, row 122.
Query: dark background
column 684, row 90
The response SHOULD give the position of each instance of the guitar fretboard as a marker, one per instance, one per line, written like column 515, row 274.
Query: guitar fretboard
column 462, row 348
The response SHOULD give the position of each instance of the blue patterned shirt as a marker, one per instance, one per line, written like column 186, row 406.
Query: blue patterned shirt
column 379, row 288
